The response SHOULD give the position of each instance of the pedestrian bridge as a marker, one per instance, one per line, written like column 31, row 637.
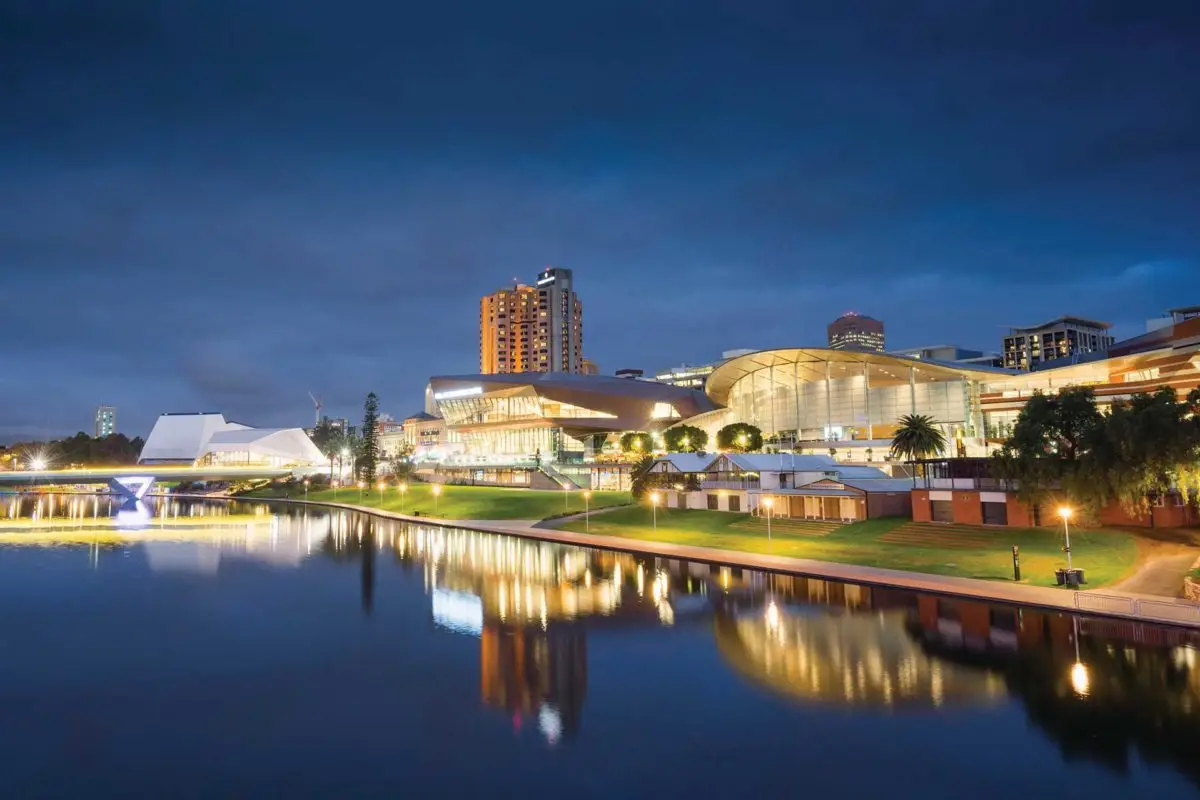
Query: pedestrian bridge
column 133, row 483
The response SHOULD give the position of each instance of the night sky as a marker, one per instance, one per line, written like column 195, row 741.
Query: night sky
column 223, row 204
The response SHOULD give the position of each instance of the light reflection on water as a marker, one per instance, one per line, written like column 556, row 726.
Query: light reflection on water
column 537, row 610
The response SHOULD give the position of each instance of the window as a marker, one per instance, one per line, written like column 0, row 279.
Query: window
column 735, row 503
column 714, row 502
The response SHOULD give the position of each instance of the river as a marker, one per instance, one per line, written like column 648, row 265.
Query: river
column 225, row 649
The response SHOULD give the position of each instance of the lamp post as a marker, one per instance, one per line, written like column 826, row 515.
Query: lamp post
column 361, row 486
column 345, row 455
column 335, row 488
column 566, row 497
column 382, row 486
column 437, row 491
column 767, row 503
column 586, row 524
column 403, row 491
column 654, row 509
column 1065, row 513
column 306, row 490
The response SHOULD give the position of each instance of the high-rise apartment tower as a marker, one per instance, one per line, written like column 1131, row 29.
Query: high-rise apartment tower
column 532, row 328
column 106, row 421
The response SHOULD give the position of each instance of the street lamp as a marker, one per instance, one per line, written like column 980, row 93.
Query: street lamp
column 566, row 497
column 361, row 486
column 403, row 490
column 742, row 439
column 437, row 491
column 306, row 490
column 382, row 486
column 345, row 456
column 336, row 483
column 586, row 497
column 654, row 509
column 768, row 502
column 37, row 464
column 1065, row 513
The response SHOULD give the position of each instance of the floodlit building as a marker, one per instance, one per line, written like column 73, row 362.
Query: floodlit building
column 853, row 331
column 106, row 421
column 532, row 328
column 850, row 401
column 1062, row 338
column 551, row 422
column 208, row 439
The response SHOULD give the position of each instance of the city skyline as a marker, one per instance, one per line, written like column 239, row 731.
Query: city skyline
column 238, row 228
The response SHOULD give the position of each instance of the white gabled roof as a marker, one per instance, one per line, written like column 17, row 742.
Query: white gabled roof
column 688, row 462
column 786, row 462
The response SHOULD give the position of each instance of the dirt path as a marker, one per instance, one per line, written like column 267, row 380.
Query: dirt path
column 1161, row 575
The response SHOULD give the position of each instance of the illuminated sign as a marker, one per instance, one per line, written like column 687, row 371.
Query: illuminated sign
column 453, row 393
column 544, row 281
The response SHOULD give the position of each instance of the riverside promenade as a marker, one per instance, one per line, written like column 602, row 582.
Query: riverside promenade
column 1105, row 602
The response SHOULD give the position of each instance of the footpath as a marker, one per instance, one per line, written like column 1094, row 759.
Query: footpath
column 1105, row 602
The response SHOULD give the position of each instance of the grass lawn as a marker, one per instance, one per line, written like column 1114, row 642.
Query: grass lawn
column 462, row 502
column 1105, row 555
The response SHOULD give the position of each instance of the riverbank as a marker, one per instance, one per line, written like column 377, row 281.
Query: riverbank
column 453, row 502
column 1121, row 605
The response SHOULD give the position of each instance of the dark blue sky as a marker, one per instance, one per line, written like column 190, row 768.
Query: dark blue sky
column 222, row 204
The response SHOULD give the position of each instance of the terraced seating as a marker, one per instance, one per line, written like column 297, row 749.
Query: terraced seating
column 799, row 527
column 933, row 534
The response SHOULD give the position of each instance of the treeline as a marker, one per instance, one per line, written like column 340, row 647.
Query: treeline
column 116, row 449
column 1143, row 448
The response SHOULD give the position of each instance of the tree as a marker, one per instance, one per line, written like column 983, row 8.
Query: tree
column 741, row 437
column 640, row 476
column 1048, row 442
column 636, row 442
column 368, row 450
column 1144, row 448
column 685, row 439
column 917, row 437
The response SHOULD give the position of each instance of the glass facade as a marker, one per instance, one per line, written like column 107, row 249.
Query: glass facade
column 516, row 407
column 785, row 399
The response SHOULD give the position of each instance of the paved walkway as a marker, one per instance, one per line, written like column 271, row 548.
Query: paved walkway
column 1162, row 576
column 1107, row 602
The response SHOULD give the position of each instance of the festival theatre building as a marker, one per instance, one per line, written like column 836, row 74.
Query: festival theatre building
column 530, row 428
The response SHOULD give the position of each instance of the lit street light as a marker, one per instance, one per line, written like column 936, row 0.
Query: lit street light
column 361, row 486
column 306, row 490
column 403, row 491
column 37, row 464
column 654, row 509
column 382, row 486
column 586, row 524
column 437, row 492
column 1065, row 513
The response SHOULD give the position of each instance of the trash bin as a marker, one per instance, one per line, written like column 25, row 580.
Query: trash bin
column 1075, row 577
column 1060, row 576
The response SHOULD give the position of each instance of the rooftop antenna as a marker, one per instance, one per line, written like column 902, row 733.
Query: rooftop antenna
column 317, row 406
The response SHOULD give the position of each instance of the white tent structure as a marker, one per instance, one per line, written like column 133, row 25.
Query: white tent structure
column 210, row 439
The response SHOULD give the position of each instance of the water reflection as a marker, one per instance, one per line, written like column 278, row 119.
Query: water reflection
column 1104, row 691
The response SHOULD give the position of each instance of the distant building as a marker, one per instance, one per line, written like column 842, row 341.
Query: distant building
column 589, row 367
column 629, row 373
column 1172, row 317
column 106, row 421
column 532, row 328
column 952, row 354
column 1062, row 338
column 853, row 331
column 692, row 376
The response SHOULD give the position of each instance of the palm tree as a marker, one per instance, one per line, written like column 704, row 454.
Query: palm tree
column 917, row 437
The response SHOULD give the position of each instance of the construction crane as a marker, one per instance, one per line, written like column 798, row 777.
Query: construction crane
column 317, row 405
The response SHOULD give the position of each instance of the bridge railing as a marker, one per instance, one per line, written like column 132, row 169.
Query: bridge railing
column 1182, row 612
